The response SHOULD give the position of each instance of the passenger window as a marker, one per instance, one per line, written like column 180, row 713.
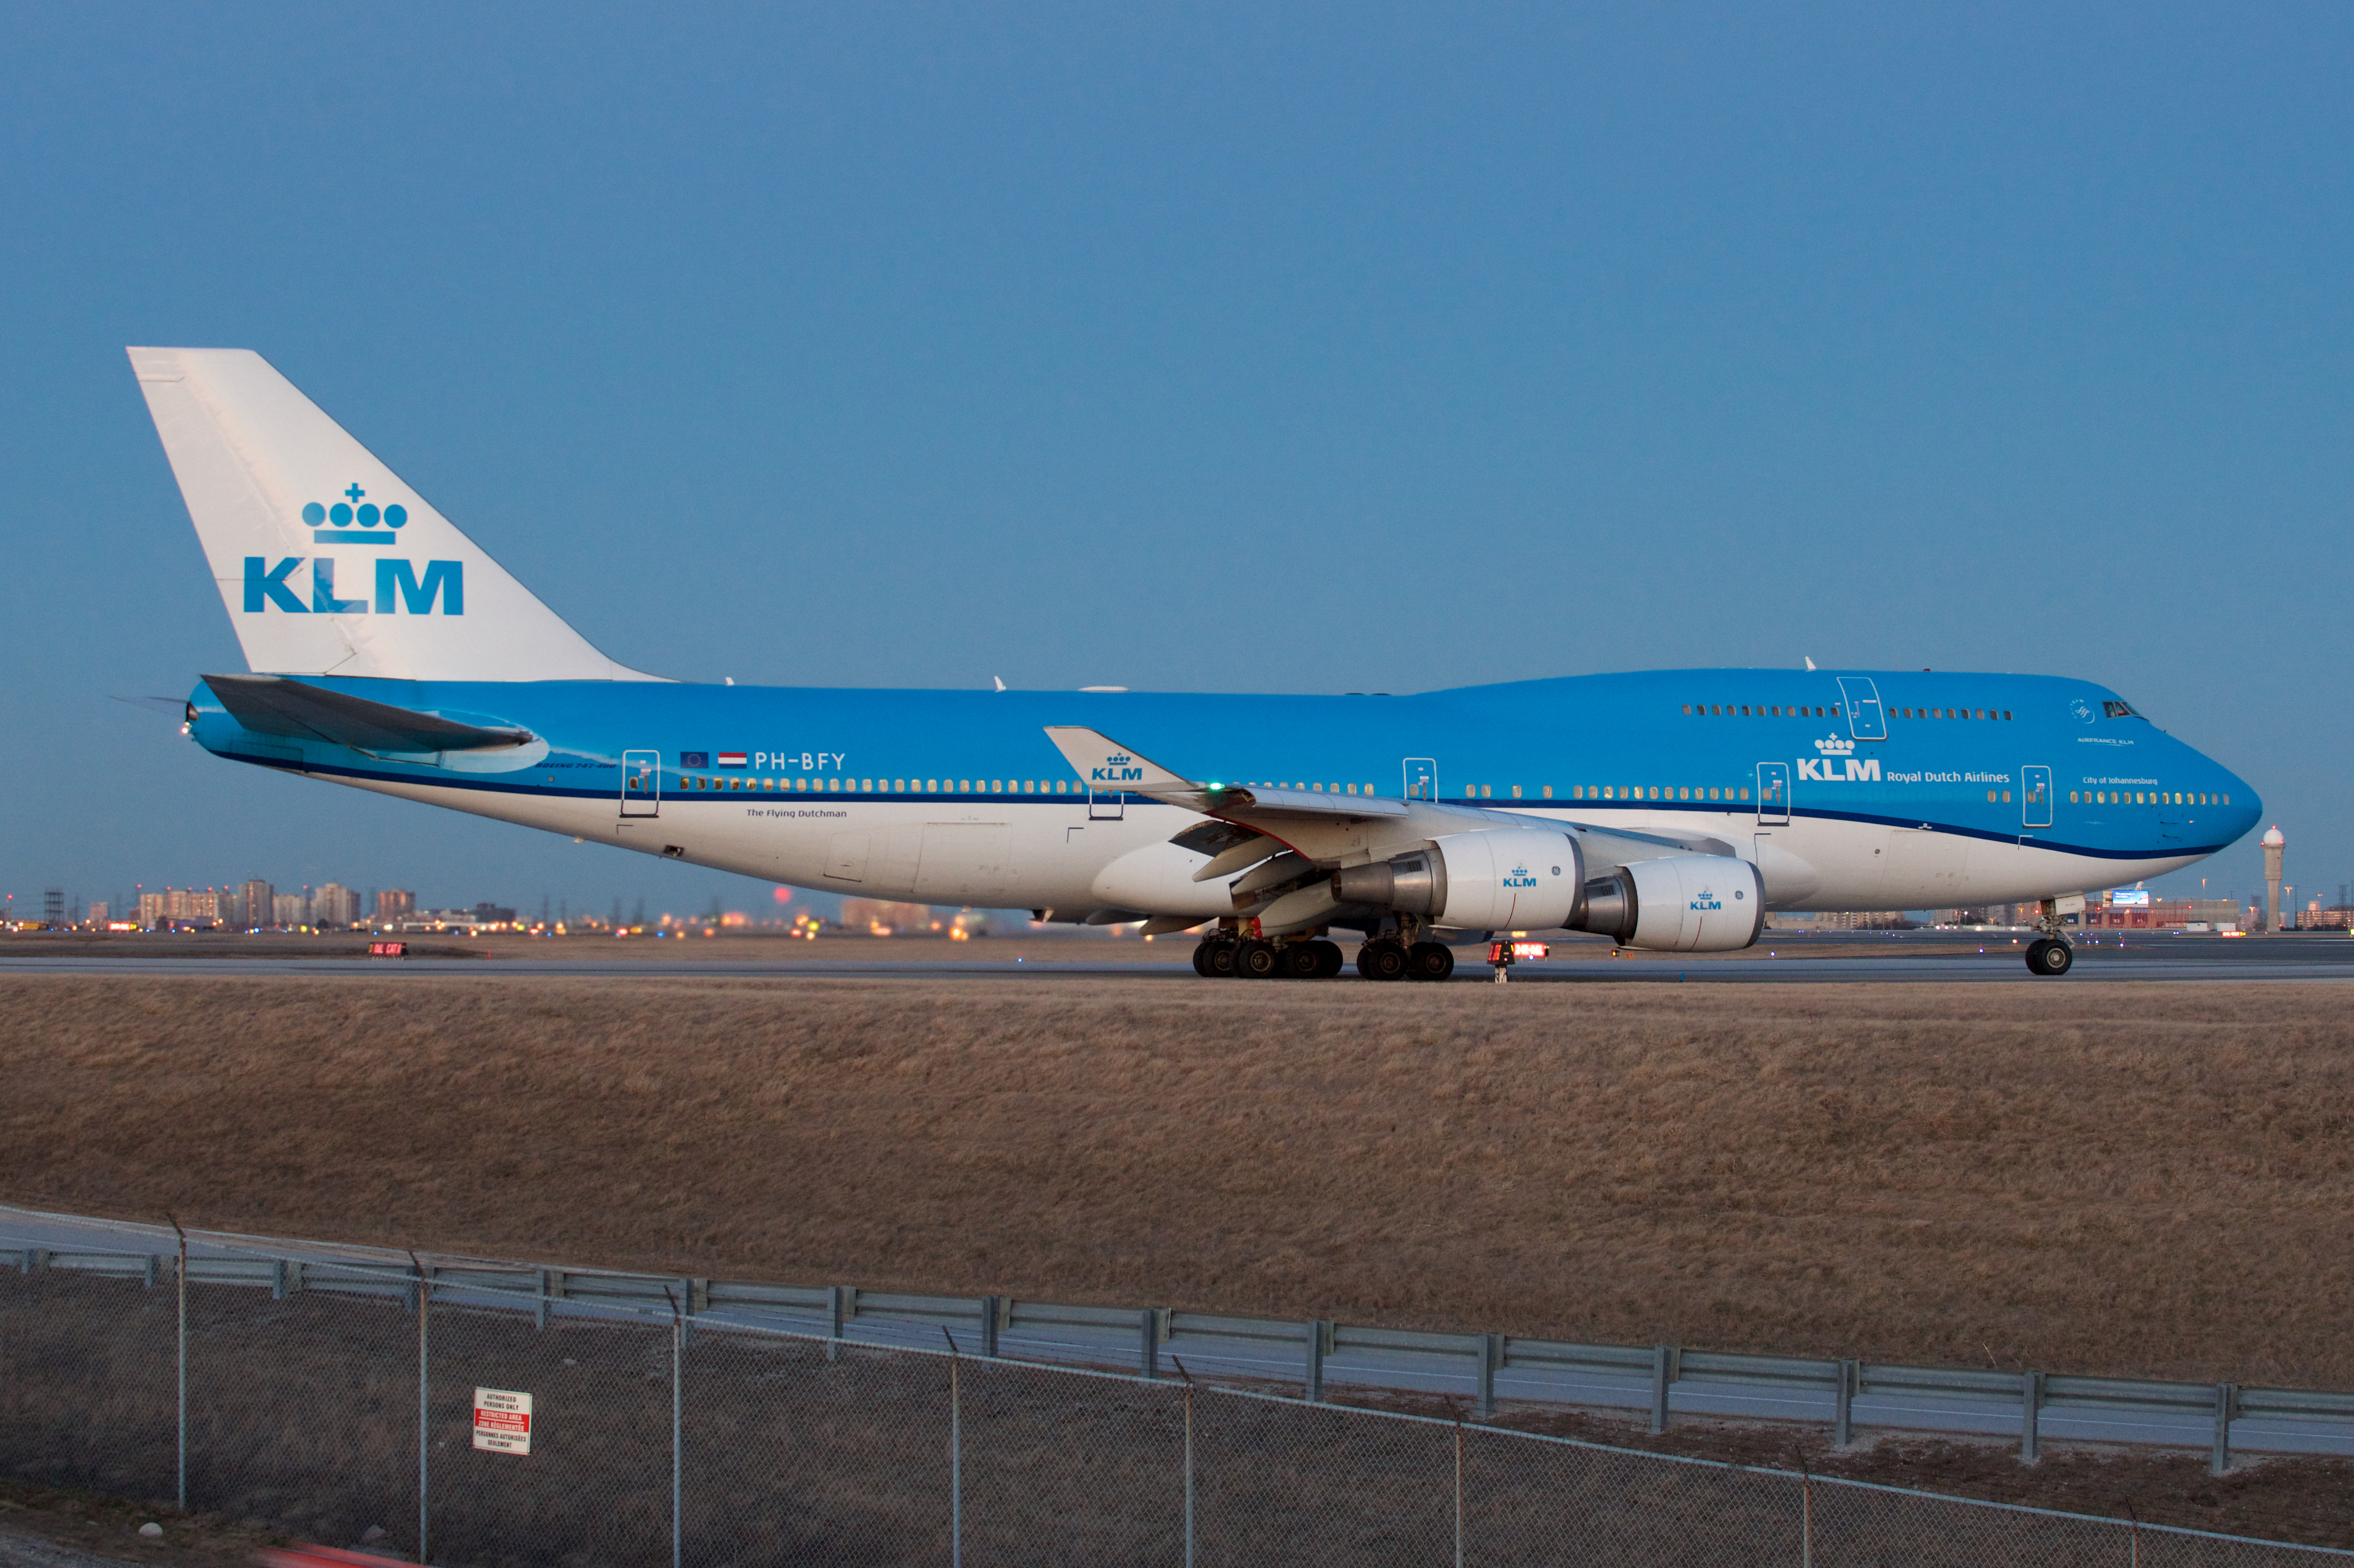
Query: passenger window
column 1548, row 790
column 1745, row 710
column 2005, row 795
column 1688, row 713
column 1516, row 791
column 1744, row 794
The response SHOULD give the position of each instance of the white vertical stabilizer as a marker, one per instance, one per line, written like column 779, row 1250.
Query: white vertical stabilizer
column 329, row 564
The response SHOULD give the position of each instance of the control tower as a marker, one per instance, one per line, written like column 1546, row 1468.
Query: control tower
column 2272, row 841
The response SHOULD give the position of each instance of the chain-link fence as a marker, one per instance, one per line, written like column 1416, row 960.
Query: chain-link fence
column 350, row 1414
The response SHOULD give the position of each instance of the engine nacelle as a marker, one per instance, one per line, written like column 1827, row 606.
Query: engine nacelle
column 1518, row 879
column 1680, row 904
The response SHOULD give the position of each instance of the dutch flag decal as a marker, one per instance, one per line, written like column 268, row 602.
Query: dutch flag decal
column 731, row 759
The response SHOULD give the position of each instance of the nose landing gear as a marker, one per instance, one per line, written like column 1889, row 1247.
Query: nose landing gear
column 2050, row 955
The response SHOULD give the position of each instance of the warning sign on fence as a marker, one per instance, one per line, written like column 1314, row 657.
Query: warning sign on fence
column 501, row 1421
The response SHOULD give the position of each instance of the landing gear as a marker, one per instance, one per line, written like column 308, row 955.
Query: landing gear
column 1430, row 961
column 1383, row 959
column 2050, row 956
column 1258, row 960
column 1215, row 959
column 1310, row 960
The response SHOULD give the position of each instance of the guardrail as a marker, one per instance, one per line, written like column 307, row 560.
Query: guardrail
column 1666, row 1380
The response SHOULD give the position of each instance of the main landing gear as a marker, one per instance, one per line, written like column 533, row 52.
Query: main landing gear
column 2050, row 956
column 1387, row 959
column 1224, row 956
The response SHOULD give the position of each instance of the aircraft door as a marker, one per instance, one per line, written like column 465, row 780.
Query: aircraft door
column 1422, row 779
column 1773, row 793
column 1866, row 719
column 641, row 783
column 1106, row 805
column 2035, row 795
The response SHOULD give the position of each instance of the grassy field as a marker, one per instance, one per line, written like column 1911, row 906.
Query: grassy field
column 2130, row 1180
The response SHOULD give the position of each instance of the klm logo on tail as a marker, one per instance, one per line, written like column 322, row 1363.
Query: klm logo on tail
column 374, row 526
column 1118, row 768
column 397, row 588
column 354, row 521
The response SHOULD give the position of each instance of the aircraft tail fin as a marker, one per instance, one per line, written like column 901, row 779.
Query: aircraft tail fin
column 329, row 565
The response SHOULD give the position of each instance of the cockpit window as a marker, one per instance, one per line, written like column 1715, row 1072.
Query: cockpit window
column 2115, row 709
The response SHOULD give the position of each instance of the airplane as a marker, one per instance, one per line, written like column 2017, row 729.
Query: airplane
column 1668, row 811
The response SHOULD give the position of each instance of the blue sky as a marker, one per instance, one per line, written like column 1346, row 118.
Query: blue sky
column 1219, row 348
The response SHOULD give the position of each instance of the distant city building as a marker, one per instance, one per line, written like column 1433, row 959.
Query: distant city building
column 179, row 906
column 100, row 913
column 394, row 903
column 289, row 909
column 257, row 903
column 2137, row 910
column 335, row 905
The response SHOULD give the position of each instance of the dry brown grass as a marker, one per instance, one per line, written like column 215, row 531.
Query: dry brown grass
column 2135, row 1180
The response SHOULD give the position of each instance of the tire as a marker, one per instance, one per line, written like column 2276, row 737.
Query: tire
column 1302, row 961
column 1219, row 957
column 1381, row 960
column 1202, row 958
column 1257, row 960
column 1430, row 961
column 2049, row 957
column 1328, row 960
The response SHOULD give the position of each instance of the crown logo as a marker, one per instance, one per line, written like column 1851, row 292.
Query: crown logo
column 352, row 512
column 1835, row 745
column 1119, row 760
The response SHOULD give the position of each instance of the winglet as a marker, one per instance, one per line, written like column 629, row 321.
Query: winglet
column 1106, row 765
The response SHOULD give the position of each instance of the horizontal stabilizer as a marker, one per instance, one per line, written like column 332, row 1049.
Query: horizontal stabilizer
column 271, row 705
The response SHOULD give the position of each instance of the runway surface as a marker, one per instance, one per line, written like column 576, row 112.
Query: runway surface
column 919, row 1323
column 1791, row 961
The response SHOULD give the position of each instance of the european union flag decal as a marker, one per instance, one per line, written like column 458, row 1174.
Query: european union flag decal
column 695, row 759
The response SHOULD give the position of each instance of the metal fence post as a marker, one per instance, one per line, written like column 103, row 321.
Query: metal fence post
column 1149, row 1350
column 1662, row 1374
column 678, row 1432
column 2030, row 1405
column 1189, row 1459
column 1843, row 1423
column 539, row 1312
column 834, row 1305
column 989, row 1314
column 956, row 1453
column 1319, row 1344
column 2227, row 1400
column 424, row 1407
column 1491, row 1354
column 181, row 1278
column 1458, row 1492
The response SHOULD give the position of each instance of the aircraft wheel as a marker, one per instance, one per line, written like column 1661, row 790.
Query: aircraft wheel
column 1328, row 960
column 1302, row 960
column 1257, row 960
column 2051, row 957
column 1201, row 959
column 1430, row 961
column 1381, row 960
column 1217, row 960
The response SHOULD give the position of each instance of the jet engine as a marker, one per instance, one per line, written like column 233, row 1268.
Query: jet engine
column 1681, row 904
column 1526, row 879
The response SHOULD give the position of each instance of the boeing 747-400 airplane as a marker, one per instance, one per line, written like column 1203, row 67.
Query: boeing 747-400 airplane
column 1666, row 809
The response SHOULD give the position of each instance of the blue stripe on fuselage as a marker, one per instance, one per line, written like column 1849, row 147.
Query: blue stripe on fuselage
column 1573, row 735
